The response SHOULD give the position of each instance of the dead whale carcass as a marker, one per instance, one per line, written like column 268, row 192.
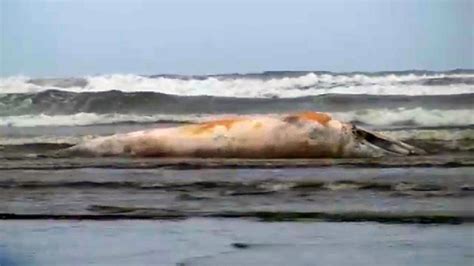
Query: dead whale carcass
column 298, row 135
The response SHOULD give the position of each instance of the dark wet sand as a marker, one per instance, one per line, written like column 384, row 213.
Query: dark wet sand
column 232, row 242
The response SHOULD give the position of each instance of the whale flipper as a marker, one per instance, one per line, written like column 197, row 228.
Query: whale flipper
column 386, row 143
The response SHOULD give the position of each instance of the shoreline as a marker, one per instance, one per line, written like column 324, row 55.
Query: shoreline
column 382, row 218
column 35, row 162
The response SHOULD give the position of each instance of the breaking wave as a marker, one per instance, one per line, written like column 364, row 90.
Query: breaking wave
column 282, row 85
column 54, row 102
column 87, row 119
column 417, row 117
column 373, row 117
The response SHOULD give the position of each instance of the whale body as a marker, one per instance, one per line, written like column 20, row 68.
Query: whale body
column 296, row 135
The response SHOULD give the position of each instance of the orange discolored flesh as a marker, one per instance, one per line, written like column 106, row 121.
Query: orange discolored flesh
column 321, row 118
column 209, row 126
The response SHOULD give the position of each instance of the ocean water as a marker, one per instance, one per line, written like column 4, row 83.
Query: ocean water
column 247, row 199
column 434, row 108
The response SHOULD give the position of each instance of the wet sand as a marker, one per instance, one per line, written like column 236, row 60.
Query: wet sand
column 232, row 242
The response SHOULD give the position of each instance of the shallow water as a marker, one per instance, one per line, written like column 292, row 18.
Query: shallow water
column 337, row 193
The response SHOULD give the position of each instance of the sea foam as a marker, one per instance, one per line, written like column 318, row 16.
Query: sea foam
column 251, row 86
column 373, row 117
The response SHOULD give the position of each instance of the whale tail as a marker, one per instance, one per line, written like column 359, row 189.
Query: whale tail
column 386, row 144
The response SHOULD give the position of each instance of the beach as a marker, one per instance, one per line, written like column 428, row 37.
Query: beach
column 413, row 210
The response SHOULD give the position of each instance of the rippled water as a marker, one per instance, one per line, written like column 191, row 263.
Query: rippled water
column 179, row 190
